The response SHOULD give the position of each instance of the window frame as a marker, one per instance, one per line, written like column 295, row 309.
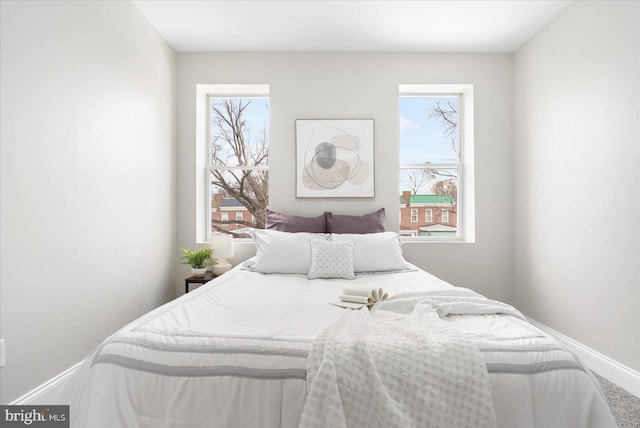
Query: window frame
column 444, row 214
column 465, row 209
column 203, row 156
column 415, row 216
column 212, row 167
column 428, row 215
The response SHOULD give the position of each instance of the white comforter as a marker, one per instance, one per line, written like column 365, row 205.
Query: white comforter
column 233, row 353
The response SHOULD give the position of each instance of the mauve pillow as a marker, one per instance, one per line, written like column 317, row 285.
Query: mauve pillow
column 291, row 223
column 368, row 223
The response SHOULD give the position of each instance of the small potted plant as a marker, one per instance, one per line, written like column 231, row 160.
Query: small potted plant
column 199, row 259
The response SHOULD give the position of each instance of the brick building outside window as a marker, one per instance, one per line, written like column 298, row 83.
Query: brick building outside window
column 427, row 215
column 229, row 214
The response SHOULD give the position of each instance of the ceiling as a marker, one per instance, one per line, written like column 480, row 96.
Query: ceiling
column 345, row 25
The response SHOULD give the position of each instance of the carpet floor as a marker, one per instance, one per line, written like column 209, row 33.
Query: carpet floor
column 624, row 406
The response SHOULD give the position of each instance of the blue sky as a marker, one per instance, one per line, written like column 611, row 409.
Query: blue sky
column 421, row 137
column 257, row 114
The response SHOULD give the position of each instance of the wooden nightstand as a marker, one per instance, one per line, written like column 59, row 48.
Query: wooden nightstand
column 208, row 276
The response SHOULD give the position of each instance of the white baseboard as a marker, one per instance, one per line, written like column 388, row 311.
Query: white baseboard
column 41, row 394
column 623, row 376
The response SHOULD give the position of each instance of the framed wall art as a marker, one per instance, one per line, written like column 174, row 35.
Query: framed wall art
column 334, row 158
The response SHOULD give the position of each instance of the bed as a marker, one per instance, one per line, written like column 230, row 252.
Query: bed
column 236, row 352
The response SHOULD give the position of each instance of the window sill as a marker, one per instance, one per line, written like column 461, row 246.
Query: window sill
column 235, row 241
column 415, row 240
column 405, row 240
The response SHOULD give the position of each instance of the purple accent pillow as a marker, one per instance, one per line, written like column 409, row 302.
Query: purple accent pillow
column 368, row 223
column 291, row 223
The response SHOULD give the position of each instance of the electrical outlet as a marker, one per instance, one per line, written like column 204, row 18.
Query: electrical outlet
column 2, row 360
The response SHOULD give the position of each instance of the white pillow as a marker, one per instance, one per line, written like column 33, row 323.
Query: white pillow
column 283, row 252
column 331, row 259
column 375, row 252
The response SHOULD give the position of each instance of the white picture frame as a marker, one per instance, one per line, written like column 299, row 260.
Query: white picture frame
column 334, row 158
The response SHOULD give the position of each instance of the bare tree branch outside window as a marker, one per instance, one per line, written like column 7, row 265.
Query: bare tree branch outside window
column 417, row 179
column 446, row 113
column 448, row 187
column 236, row 143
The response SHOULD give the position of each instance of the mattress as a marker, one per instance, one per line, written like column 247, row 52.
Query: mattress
column 233, row 353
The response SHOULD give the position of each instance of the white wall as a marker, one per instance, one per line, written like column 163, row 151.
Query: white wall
column 365, row 85
column 577, row 183
column 88, row 180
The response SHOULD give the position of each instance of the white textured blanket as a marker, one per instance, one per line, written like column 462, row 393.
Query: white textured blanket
column 455, row 301
column 396, row 369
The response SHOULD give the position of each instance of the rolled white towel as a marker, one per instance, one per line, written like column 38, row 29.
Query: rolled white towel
column 356, row 298
column 376, row 294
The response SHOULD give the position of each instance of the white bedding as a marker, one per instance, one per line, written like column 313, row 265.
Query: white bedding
column 233, row 353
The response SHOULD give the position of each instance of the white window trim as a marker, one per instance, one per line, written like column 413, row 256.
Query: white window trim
column 466, row 171
column 428, row 215
column 445, row 216
column 224, row 215
column 414, row 216
column 202, row 171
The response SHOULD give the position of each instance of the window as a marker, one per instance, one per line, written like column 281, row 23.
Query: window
column 237, row 146
column 436, row 137
column 218, row 169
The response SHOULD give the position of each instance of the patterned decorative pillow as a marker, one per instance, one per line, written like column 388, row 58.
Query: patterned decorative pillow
column 331, row 259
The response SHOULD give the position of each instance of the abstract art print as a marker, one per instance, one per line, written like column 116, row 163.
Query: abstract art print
column 334, row 158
